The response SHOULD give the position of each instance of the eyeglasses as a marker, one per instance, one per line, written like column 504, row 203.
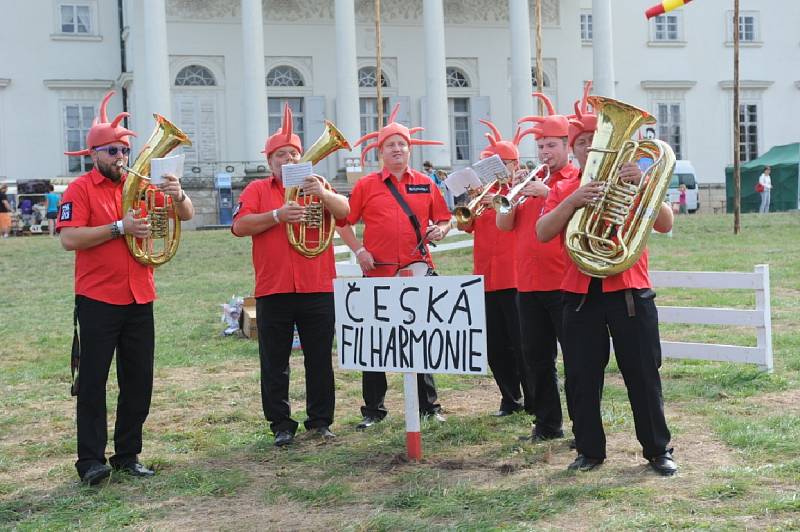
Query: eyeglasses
column 114, row 150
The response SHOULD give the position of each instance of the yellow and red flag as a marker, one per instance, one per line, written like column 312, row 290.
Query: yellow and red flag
column 664, row 7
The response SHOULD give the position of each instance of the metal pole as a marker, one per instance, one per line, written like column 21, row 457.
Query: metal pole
column 737, row 178
column 539, row 66
column 378, row 70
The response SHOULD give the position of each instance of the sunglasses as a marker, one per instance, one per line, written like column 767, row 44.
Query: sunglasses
column 114, row 150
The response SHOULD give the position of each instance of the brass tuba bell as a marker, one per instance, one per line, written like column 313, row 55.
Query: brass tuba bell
column 608, row 236
column 315, row 216
column 138, row 193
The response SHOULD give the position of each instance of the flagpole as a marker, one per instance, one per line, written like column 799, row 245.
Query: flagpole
column 737, row 178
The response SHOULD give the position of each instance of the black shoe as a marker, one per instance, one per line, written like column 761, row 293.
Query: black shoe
column 135, row 469
column 283, row 437
column 436, row 416
column 96, row 473
column 543, row 436
column 324, row 433
column 584, row 463
column 663, row 464
column 367, row 422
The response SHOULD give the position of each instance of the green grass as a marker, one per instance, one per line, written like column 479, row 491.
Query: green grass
column 736, row 430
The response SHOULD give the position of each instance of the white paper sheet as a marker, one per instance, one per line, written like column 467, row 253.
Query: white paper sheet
column 459, row 181
column 166, row 165
column 490, row 169
column 295, row 174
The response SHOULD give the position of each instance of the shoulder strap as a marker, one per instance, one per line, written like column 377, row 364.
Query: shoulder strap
column 411, row 216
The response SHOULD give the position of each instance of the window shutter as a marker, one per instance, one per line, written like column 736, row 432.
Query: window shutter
column 479, row 109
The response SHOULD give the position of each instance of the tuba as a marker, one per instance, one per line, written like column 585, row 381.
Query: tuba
column 608, row 237
column 315, row 216
column 138, row 193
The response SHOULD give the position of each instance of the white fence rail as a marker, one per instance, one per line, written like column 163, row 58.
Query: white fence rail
column 760, row 318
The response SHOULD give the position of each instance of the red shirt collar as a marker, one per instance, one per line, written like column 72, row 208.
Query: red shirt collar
column 386, row 174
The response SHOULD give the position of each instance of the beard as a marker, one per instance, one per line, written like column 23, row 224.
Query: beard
column 110, row 171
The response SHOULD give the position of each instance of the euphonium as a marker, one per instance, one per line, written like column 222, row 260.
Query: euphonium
column 504, row 204
column 608, row 237
column 315, row 215
column 139, row 194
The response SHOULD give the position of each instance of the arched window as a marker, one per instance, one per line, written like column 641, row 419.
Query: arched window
column 545, row 78
column 284, row 76
column 456, row 78
column 195, row 76
column 367, row 77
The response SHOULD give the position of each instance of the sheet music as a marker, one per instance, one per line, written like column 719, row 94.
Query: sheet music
column 294, row 174
column 490, row 169
column 166, row 165
column 459, row 181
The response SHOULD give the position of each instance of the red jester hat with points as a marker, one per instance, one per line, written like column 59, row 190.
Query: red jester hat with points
column 104, row 132
column 584, row 120
column 506, row 149
column 284, row 136
column 393, row 128
column 550, row 125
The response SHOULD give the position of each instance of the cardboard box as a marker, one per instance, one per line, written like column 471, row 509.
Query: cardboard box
column 249, row 326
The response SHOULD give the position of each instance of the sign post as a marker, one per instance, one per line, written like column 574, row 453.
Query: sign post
column 412, row 325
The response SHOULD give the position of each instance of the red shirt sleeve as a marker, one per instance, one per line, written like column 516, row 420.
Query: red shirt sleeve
column 439, row 211
column 74, row 210
column 356, row 199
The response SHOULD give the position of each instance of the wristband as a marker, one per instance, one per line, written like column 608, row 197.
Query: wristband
column 120, row 227
column 275, row 216
column 360, row 250
column 114, row 231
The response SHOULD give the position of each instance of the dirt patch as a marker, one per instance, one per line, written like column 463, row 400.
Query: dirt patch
column 786, row 402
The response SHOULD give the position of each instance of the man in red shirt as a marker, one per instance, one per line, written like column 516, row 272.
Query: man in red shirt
column 493, row 257
column 622, row 305
column 113, row 301
column 539, row 268
column 291, row 290
column 393, row 239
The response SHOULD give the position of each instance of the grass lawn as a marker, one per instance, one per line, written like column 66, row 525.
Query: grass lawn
column 736, row 431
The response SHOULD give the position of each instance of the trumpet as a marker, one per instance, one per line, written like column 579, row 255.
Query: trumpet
column 466, row 214
column 504, row 204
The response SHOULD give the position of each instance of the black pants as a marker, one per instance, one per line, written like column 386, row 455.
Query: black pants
column 503, row 345
column 276, row 316
column 373, row 390
column 540, row 322
column 630, row 316
column 129, row 330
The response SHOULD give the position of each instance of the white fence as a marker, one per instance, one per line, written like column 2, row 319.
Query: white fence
column 760, row 318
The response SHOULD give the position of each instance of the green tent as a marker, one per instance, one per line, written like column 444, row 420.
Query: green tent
column 785, row 163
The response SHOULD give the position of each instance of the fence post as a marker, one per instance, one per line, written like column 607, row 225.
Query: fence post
column 764, row 333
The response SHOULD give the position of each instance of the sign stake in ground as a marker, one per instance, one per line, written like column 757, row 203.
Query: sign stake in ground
column 411, row 325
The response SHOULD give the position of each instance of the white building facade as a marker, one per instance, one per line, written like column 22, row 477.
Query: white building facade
column 221, row 70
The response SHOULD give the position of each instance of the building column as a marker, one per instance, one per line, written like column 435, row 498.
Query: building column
column 254, row 81
column 602, row 49
column 151, row 83
column 438, row 123
column 348, row 116
column 521, row 86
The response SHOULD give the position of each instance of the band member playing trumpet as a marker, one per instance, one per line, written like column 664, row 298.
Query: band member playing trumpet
column 621, row 305
column 401, row 210
column 493, row 258
column 113, row 301
column 291, row 290
column 540, row 267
